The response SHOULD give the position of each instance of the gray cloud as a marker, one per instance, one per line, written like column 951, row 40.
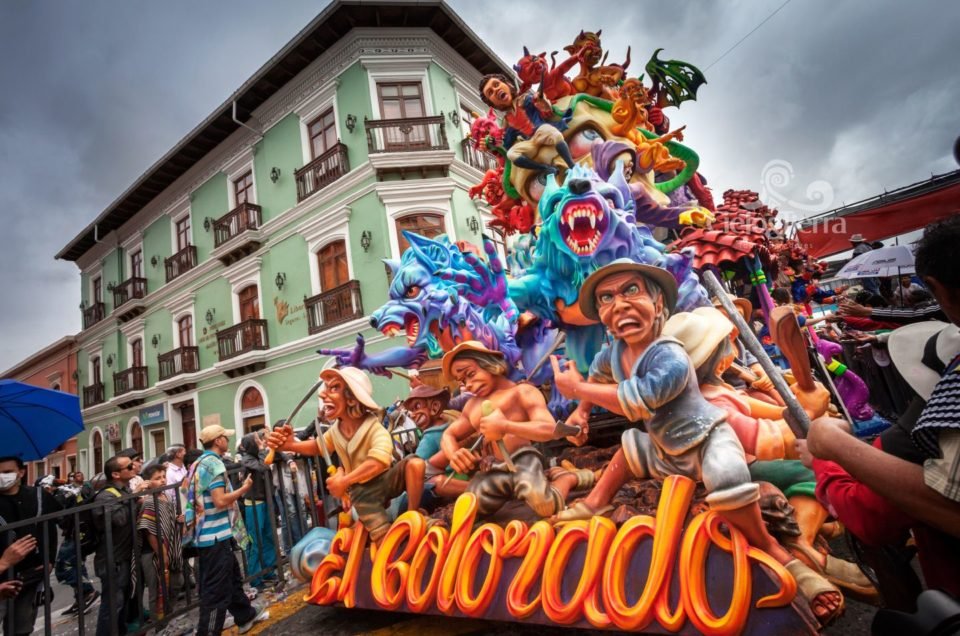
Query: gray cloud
column 860, row 95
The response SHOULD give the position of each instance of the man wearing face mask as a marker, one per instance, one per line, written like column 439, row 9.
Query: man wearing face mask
column 19, row 502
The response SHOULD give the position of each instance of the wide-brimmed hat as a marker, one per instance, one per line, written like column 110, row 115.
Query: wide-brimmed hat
column 856, row 238
column 744, row 306
column 358, row 382
column 466, row 345
column 921, row 351
column 663, row 279
column 701, row 331
column 426, row 392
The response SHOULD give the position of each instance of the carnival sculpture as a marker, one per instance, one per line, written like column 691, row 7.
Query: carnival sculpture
column 520, row 505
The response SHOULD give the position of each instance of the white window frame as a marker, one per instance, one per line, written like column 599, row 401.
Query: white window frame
column 401, row 199
column 128, row 432
column 179, row 307
column 246, row 274
column 313, row 107
column 321, row 231
column 175, row 422
column 129, row 246
column 238, row 411
column 131, row 331
column 180, row 209
column 408, row 68
column 105, row 448
column 236, row 168
column 95, row 351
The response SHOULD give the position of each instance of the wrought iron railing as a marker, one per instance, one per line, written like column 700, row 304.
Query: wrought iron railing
column 246, row 216
column 406, row 135
column 93, row 395
column 93, row 314
column 182, row 360
column 479, row 159
column 132, row 379
column 333, row 307
column 249, row 335
column 129, row 289
column 181, row 262
column 322, row 171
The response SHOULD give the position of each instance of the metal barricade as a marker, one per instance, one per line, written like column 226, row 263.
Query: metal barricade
column 49, row 528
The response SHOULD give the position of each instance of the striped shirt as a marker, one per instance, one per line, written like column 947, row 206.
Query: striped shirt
column 214, row 524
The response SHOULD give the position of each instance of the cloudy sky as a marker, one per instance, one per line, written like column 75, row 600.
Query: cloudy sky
column 824, row 103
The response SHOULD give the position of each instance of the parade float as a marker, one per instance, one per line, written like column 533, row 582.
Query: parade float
column 598, row 471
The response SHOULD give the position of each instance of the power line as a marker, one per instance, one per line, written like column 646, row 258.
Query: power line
column 752, row 31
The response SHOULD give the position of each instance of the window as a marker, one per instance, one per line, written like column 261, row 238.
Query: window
column 185, row 329
column 183, row 232
column 136, row 353
column 95, row 363
column 332, row 262
column 56, row 387
column 428, row 225
column 252, row 411
column 249, row 303
column 136, row 437
column 466, row 119
column 188, row 423
column 243, row 188
column 72, row 463
column 97, row 290
column 400, row 100
column 136, row 264
column 97, row 452
column 159, row 443
column 323, row 133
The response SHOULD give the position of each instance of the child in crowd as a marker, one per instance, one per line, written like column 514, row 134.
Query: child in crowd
column 161, row 557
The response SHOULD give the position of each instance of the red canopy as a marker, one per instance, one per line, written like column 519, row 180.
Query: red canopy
column 832, row 235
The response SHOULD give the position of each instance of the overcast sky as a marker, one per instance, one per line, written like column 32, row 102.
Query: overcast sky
column 843, row 99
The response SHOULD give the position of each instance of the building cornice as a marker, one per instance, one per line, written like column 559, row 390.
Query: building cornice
column 387, row 44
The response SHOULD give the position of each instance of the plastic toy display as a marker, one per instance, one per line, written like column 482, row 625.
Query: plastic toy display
column 592, row 401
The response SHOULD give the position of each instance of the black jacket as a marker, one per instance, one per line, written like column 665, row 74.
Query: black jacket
column 252, row 461
column 123, row 520
column 23, row 505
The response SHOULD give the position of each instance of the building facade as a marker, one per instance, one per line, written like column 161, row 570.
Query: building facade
column 210, row 284
column 53, row 367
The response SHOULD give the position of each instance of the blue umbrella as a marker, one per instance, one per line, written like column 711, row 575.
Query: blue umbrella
column 34, row 421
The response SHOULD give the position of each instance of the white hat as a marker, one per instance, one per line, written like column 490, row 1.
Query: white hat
column 358, row 381
column 921, row 351
column 701, row 331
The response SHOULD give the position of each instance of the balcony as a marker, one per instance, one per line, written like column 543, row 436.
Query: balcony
column 128, row 384
column 93, row 395
column 322, row 171
column 128, row 298
column 237, row 233
column 181, row 262
column 176, row 364
column 241, row 347
column 93, row 314
column 417, row 144
column 333, row 307
column 479, row 159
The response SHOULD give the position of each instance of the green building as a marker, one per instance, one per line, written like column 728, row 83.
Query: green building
column 211, row 282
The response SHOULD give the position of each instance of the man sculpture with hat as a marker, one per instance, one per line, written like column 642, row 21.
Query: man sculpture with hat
column 427, row 406
column 649, row 378
column 368, row 473
column 509, row 416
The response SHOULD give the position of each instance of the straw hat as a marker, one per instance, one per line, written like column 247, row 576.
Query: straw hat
column 744, row 306
column 466, row 345
column 663, row 278
column 358, row 381
column 921, row 351
column 701, row 331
